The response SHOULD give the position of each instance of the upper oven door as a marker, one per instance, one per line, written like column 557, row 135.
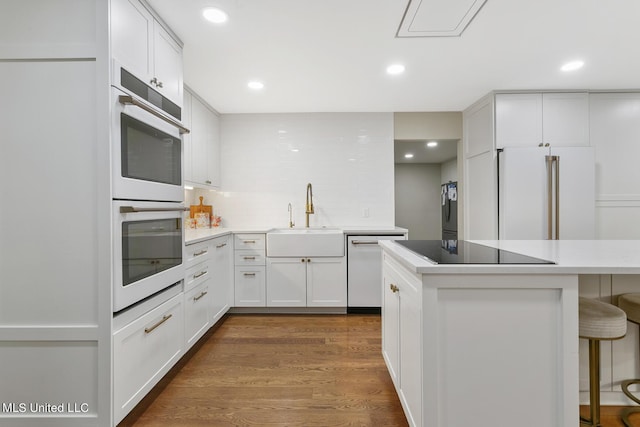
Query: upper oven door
column 147, row 151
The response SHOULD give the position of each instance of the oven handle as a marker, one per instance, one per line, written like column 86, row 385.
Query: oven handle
column 130, row 100
column 132, row 209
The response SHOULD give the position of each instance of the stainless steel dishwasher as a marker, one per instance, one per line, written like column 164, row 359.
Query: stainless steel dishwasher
column 364, row 272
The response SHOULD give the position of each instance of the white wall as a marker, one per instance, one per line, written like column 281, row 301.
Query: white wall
column 449, row 171
column 268, row 159
column 418, row 206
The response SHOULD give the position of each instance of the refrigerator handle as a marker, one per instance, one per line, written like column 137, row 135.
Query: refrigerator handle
column 553, row 197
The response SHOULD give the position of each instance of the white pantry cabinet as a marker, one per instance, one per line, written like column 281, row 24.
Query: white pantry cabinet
column 402, row 336
column 202, row 144
column 143, row 46
column 306, row 282
column 144, row 351
column 531, row 119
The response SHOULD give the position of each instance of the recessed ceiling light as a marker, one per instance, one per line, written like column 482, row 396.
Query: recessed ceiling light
column 395, row 69
column 408, row 156
column 432, row 144
column 572, row 66
column 256, row 85
column 215, row 15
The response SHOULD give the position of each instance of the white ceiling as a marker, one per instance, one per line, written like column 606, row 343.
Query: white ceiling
column 331, row 55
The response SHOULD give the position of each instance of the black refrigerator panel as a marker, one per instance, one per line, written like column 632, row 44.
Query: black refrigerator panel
column 449, row 202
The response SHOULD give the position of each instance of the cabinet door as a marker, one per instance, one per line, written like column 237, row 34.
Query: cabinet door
column 286, row 282
column 200, row 139
column 167, row 61
column 411, row 350
column 518, row 120
column 565, row 119
column 132, row 28
column 144, row 351
column 196, row 313
column 326, row 282
column 250, row 287
column 391, row 324
column 187, row 165
column 221, row 281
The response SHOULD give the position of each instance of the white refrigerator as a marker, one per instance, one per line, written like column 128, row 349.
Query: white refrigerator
column 546, row 193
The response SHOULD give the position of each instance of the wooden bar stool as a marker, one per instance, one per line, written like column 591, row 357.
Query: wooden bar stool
column 598, row 321
column 630, row 303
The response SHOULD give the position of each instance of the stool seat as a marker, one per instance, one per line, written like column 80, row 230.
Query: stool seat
column 598, row 321
column 630, row 303
column 601, row 321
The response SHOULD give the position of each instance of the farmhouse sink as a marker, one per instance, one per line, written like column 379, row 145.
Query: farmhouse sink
column 307, row 242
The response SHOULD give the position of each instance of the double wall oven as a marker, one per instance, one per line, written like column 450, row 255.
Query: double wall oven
column 148, row 195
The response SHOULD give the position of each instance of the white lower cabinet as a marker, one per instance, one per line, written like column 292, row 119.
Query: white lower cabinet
column 250, row 286
column 249, row 280
column 402, row 337
column 221, row 288
column 144, row 351
column 196, row 312
column 306, row 282
column 286, row 282
column 327, row 282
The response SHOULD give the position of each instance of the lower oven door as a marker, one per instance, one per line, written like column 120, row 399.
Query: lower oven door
column 148, row 242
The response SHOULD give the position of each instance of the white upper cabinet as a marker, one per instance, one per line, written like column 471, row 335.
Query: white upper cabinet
column 202, row 145
column 532, row 119
column 146, row 49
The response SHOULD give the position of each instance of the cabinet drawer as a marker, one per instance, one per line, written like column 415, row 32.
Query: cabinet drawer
column 197, row 274
column 247, row 257
column 249, row 241
column 250, row 287
column 196, row 313
column 144, row 351
column 196, row 253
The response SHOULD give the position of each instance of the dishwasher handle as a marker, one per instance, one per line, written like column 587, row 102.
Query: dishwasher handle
column 364, row 242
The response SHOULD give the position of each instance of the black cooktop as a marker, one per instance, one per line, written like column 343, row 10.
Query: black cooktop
column 463, row 252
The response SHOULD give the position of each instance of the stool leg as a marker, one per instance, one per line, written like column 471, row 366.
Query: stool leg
column 594, row 384
column 625, row 389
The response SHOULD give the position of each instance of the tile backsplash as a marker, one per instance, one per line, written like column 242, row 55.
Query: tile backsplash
column 268, row 159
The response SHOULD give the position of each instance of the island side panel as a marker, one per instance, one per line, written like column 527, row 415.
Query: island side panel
column 502, row 346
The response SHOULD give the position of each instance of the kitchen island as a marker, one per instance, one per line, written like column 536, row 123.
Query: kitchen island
column 495, row 344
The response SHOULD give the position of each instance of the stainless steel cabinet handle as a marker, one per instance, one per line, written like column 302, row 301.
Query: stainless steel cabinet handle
column 203, row 293
column 202, row 252
column 394, row 288
column 553, row 197
column 248, row 241
column 207, row 182
column 364, row 242
column 133, row 209
column 130, row 100
column 164, row 319
column 222, row 245
column 202, row 273
column 249, row 274
column 249, row 257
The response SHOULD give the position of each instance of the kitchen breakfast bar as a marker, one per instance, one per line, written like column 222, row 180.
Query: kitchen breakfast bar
column 488, row 334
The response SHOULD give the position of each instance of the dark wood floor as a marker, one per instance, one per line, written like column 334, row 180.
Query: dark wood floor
column 273, row 370
column 285, row 370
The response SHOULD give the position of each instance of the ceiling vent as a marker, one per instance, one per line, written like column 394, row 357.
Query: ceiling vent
column 438, row 18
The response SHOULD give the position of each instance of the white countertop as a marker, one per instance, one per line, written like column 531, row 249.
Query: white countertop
column 570, row 256
column 192, row 236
